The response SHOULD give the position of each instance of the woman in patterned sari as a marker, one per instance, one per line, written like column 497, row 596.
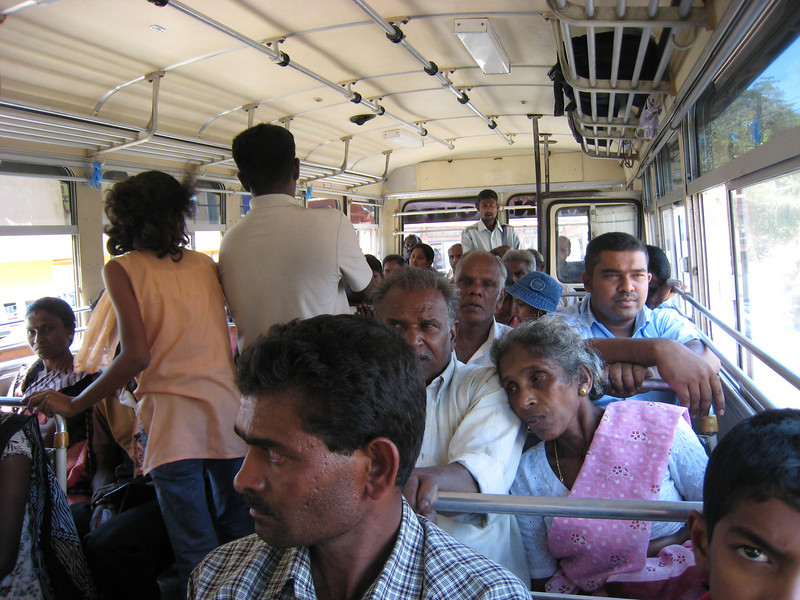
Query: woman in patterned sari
column 50, row 326
column 40, row 553
column 632, row 450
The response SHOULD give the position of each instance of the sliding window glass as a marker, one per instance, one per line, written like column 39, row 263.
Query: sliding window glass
column 766, row 219
column 37, row 242
column 754, row 105
column 439, row 224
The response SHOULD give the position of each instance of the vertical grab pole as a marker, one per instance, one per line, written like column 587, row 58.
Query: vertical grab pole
column 60, row 443
column 546, row 144
column 535, row 120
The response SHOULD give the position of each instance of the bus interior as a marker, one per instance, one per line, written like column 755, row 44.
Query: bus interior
column 677, row 121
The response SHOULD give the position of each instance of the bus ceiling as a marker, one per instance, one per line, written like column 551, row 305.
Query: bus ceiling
column 135, row 83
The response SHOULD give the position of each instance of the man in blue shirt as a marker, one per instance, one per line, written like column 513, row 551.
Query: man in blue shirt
column 614, row 312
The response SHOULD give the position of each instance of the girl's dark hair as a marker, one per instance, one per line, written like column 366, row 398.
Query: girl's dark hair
column 148, row 212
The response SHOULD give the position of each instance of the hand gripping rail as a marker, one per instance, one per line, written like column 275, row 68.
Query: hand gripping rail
column 61, row 440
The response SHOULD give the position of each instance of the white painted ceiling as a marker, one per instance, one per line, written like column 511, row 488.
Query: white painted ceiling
column 69, row 54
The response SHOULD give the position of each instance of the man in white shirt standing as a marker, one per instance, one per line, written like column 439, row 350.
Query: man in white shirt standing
column 472, row 440
column 283, row 261
column 488, row 234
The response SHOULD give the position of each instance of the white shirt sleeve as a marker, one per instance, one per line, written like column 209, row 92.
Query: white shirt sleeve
column 489, row 439
column 352, row 264
column 513, row 240
column 466, row 241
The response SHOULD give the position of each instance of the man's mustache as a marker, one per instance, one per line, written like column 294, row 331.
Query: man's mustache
column 254, row 502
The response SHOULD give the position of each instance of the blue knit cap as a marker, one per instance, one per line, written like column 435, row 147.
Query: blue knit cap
column 537, row 289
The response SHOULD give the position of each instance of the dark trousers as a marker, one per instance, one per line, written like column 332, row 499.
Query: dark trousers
column 128, row 552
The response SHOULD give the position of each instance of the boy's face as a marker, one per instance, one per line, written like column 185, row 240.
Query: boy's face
column 754, row 552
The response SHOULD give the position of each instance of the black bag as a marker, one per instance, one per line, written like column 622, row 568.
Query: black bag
column 604, row 43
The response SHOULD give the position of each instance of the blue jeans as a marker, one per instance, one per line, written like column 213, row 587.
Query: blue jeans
column 190, row 521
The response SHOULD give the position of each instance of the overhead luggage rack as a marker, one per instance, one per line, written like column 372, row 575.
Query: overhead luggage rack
column 611, row 59
column 64, row 131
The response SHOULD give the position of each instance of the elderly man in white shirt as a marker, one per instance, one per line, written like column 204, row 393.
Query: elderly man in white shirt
column 472, row 440
column 480, row 277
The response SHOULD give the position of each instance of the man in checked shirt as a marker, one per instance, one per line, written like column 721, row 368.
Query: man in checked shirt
column 333, row 413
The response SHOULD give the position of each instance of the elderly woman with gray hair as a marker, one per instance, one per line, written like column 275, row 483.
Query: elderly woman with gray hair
column 632, row 450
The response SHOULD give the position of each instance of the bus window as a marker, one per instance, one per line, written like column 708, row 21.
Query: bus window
column 718, row 260
column 441, row 224
column 37, row 241
column 323, row 203
column 669, row 175
column 572, row 225
column 766, row 221
column 207, row 242
column 208, row 208
column 364, row 217
column 576, row 225
column 746, row 114
column 523, row 218
column 205, row 227
column 675, row 238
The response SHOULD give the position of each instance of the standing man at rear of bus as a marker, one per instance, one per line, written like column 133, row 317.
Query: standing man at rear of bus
column 283, row 261
column 630, row 337
column 488, row 234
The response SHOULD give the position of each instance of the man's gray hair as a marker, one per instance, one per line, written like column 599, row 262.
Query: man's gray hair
column 503, row 270
column 525, row 255
column 414, row 279
column 555, row 339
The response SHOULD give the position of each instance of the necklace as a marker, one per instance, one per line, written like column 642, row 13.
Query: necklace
column 558, row 466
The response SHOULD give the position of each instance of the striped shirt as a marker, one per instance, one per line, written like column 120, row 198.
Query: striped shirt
column 425, row 563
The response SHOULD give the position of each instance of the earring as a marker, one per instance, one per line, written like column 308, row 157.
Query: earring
column 582, row 391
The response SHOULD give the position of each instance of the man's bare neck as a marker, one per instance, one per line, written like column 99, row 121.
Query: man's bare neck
column 620, row 330
column 345, row 568
column 471, row 336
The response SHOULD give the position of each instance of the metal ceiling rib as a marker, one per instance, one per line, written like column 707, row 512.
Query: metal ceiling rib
column 282, row 59
column 64, row 130
column 396, row 35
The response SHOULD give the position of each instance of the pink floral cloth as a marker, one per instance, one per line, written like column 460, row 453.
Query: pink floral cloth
column 627, row 459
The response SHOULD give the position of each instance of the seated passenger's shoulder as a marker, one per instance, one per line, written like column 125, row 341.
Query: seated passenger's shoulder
column 478, row 377
column 233, row 564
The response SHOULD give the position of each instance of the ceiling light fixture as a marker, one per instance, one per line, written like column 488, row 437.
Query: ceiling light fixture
column 482, row 43
column 403, row 138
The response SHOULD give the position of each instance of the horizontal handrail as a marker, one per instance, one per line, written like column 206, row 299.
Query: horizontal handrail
column 60, row 440
column 759, row 353
column 591, row 508
column 739, row 375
